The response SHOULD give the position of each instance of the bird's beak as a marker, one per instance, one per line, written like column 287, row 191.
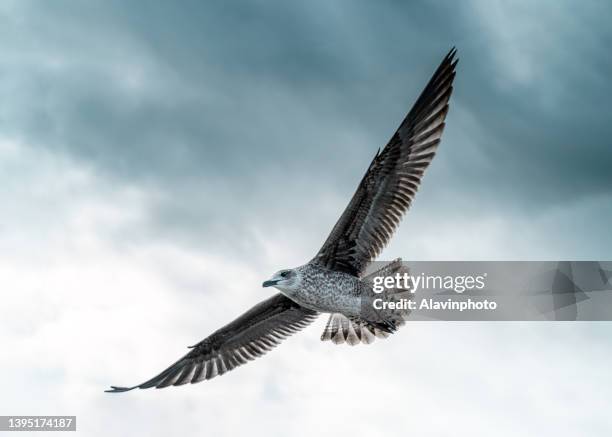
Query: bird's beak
column 269, row 283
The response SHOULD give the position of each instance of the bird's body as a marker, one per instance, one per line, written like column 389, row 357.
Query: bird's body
column 334, row 281
column 327, row 291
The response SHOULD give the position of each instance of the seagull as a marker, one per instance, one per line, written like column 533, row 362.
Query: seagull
column 335, row 280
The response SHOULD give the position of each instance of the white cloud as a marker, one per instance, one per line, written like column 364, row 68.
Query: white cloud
column 82, row 310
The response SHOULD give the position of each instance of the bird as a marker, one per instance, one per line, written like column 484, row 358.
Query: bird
column 336, row 279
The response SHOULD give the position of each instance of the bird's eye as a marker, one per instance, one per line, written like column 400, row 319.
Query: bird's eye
column 284, row 274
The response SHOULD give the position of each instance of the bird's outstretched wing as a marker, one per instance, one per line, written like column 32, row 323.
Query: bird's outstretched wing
column 249, row 336
column 391, row 181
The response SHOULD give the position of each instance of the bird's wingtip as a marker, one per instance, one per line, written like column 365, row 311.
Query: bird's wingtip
column 115, row 389
column 450, row 57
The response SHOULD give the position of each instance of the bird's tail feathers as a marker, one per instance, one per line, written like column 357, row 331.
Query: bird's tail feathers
column 341, row 329
column 352, row 331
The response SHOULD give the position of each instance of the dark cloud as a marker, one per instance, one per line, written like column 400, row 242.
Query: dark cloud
column 241, row 111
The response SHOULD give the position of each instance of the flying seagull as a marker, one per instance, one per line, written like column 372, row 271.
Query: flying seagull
column 334, row 281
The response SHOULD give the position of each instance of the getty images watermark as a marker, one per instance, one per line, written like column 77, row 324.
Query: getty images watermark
column 490, row 290
column 405, row 282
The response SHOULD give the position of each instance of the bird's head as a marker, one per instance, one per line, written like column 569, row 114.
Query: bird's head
column 284, row 280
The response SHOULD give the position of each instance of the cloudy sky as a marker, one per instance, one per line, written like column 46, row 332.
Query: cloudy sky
column 159, row 160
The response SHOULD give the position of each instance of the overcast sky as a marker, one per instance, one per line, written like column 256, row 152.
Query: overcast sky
column 159, row 160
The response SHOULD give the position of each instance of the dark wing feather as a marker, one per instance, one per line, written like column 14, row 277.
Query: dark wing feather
column 249, row 336
column 391, row 181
